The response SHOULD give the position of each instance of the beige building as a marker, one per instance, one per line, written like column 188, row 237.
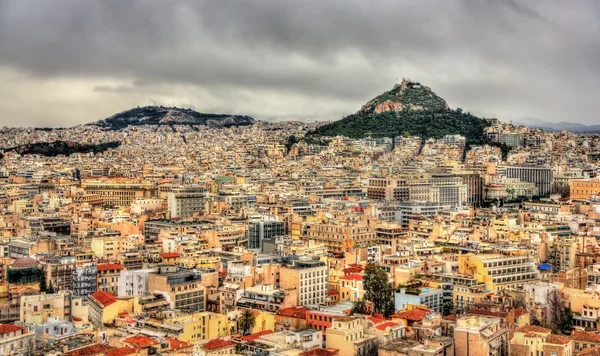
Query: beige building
column 35, row 309
column 535, row 340
column 347, row 334
column 480, row 336
column 182, row 288
column 309, row 278
column 119, row 192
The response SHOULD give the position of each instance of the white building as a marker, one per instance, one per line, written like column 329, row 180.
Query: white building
column 133, row 282
column 183, row 202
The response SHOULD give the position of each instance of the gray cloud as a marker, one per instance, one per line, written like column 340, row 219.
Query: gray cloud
column 70, row 62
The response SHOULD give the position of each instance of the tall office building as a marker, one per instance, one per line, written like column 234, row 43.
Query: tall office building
column 265, row 229
column 447, row 189
column 184, row 202
column 310, row 278
column 540, row 175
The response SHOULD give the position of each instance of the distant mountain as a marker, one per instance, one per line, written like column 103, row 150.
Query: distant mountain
column 408, row 108
column 558, row 126
column 159, row 115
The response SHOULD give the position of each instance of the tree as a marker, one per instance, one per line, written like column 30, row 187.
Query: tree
column 389, row 308
column 246, row 321
column 43, row 282
column 378, row 289
column 359, row 307
column 447, row 308
column 50, row 289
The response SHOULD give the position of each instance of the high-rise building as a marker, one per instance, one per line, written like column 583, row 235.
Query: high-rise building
column 85, row 279
column 182, row 288
column 310, row 279
column 540, row 175
column 184, row 202
column 265, row 229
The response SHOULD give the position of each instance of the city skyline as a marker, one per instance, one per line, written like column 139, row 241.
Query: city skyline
column 68, row 62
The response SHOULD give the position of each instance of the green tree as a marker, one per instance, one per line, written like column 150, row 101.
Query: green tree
column 378, row 289
column 565, row 324
column 50, row 289
column 359, row 307
column 43, row 282
column 246, row 321
column 447, row 308
column 389, row 308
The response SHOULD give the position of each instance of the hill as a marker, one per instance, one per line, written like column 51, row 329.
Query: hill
column 408, row 108
column 51, row 149
column 159, row 115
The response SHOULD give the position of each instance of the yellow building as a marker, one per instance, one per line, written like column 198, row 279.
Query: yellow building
column 110, row 248
column 263, row 321
column 119, row 192
column 197, row 326
column 351, row 287
column 35, row 309
column 105, row 307
column 347, row 334
column 498, row 271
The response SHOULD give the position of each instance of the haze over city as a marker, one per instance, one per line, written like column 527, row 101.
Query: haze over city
column 64, row 63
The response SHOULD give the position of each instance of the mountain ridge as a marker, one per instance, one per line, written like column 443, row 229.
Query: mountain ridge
column 160, row 115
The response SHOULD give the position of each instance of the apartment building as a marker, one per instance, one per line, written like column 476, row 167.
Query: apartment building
column 59, row 270
column 186, row 201
column 182, row 288
column 448, row 190
column 347, row 334
column 309, row 278
column 480, row 335
column 36, row 309
column 498, row 271
column 85, row 279
column 133, row 282
column 432, row 298
column 108, row 277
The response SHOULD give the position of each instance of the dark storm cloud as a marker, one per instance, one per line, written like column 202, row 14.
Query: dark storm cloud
column 497, row 57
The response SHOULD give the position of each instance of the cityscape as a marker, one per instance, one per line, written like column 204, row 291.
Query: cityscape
column 407, row 226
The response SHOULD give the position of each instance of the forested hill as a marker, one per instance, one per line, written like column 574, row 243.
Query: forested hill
column 409, row 108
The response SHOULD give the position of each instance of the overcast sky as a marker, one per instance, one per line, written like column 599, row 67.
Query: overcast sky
column 64, row 63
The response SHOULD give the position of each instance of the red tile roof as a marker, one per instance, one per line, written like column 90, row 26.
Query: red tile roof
column 587, row 336
column 488, row 313
column 520, row 312
column 386, row 325
column 375, row 320
column 104, row 298
column 91, row 350
column 349, row 270
column 121, row 351
column 413, row 315
column 216, row 344
column 140, row 341
column 352, row 277
column 109, row 267
column 294, row 312
column 332, row 292
column 557, row 339
column 590, row 352
column 9, row 328
column 253, row 337
column 532, row 328
column 169, row 255
column 320, row 352
column 177, row 344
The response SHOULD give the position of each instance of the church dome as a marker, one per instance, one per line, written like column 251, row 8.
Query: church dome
column 24, row 262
